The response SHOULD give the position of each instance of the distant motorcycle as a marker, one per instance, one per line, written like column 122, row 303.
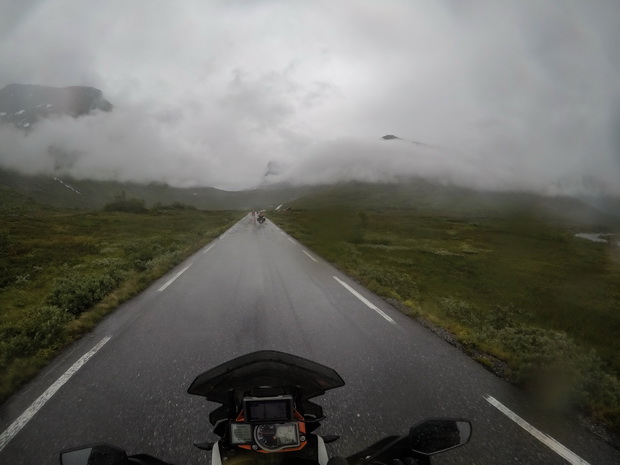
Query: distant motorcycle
column 261, row 218
column 266, row 418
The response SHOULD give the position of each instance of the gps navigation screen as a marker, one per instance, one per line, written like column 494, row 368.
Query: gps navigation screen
column 268, row 409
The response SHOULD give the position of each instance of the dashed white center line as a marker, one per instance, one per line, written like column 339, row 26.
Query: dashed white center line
column 368, row 303
column 310, row 256
column 171, row 280
column 554, row 445
column 31, row 411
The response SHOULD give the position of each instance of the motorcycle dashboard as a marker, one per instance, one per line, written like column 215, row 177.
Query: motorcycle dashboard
column 270, row 437
column 266, row 423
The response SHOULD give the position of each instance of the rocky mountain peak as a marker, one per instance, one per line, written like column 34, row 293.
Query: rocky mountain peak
column 25, row 104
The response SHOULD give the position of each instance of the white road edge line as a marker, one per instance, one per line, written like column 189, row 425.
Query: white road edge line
column 554, row 445
column 368, row 303
column 209, row 248
column 31, row 411
column 173, row 278
column 310, row 256
column 291, row 240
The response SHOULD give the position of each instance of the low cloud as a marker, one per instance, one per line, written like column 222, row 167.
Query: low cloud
column 520, row 95
column 375, row 160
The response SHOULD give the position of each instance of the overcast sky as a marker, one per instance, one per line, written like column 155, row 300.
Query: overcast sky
column 505, row 94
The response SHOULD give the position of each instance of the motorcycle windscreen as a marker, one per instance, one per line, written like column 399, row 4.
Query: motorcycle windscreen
column 265, row 368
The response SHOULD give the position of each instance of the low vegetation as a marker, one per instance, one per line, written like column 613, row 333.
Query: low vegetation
column 524, row 297
column 61, row 272
column 516, row 292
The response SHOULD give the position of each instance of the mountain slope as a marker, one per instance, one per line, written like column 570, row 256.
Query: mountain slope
column 87, row 194
column 420, row 195
column 25, row 104
column 434, row 198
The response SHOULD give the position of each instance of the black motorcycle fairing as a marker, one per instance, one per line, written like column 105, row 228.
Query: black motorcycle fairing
column 94, row 454
column 265, row 373
column 377, row 448
column 105, row 454
column 429, row 437
column 436, row 435
column 265, row 368
column 313, row 414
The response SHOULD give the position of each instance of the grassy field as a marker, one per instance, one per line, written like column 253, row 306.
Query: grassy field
column 61, row 272
column 524, row 297
column 527, row 292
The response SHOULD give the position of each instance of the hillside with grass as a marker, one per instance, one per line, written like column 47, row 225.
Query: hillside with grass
column 62, row 271
column 86, row 194
column 429, row 197
column 505, row 279
column 501, row 275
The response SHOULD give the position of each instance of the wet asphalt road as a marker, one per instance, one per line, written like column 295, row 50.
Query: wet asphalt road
column 256, row 288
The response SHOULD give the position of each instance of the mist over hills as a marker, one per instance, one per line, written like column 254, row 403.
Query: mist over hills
column 429, row 197
column 414, row 194
column 74, row 132
column 371, row 175
column 67, row 192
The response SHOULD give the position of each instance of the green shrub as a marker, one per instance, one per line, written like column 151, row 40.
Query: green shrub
column 505, row 316
column 548, row 363
column 112, row 263
column 38, row 328
column 128, row 206
column 497, row 317
column 163, row 260
column 561, row 372
column 6, row 276
column 5, row 242
column 122, row 204
column 76, row 293
column 392, row 280
column 151, row 255
column 460, row 311
column 116, row 268
column 173, row 206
